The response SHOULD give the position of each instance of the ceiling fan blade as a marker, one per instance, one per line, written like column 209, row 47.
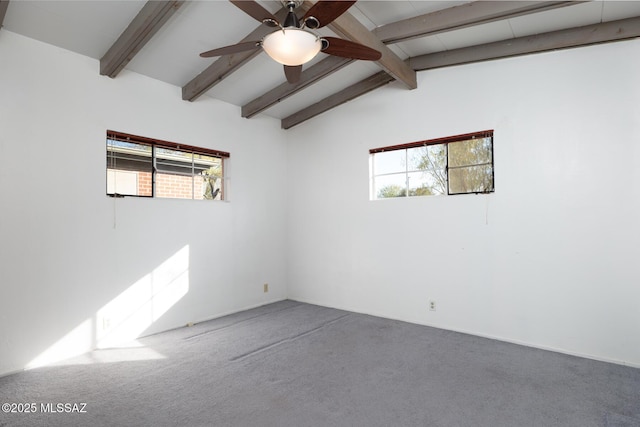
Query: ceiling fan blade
column 293, row 73
column 256, row 11
column 228, row 50
column 349, row 49
column 324, row 12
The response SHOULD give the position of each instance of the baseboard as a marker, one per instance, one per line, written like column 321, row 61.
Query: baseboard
column 478, row 334
column 6, row 374
column 234, row 311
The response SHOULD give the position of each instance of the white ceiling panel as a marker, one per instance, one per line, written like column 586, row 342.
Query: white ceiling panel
column 341, row 79
column 614, row 10
column 479, row 34
column 385, row 12
column 422, row 7
column 364, row 20
column 422, row 46
column 557, row 19
column 85, row 27
column 260, row 75
column 172, row 55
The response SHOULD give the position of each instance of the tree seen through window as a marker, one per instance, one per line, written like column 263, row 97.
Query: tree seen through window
column 464, row 165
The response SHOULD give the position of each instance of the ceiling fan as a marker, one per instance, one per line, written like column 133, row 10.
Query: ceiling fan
column 293, row 43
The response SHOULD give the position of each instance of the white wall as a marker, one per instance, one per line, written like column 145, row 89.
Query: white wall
column 549, row 260
column 68, row 252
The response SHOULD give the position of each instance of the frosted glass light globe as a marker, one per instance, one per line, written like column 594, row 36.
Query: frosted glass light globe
column 291, row 46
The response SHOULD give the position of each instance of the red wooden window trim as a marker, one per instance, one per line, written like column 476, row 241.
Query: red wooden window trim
column 126, row 137
column 445, row 140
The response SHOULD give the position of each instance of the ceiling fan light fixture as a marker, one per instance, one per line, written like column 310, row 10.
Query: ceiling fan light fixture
column 291, row 46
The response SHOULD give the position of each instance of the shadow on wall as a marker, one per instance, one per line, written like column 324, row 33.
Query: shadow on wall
column 128, row 315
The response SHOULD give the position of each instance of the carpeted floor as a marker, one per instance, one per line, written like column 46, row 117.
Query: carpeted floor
column 298, row 365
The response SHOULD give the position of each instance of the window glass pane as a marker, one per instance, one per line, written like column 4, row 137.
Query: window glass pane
column 470, row 152
column 425, row 184
column 174, row 173
column 415, row 158
column 418, row 185
column 439, row 166
column 429, row 158
column 142, row 166
column 174, row 186
column 390, row 162
column 174, row 161
column 129, row 168
column 390, row 186
column 432, row 161
column 471, row 179
column 208, row 177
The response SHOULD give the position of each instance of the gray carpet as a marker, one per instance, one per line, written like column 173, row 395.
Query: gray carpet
column 293, row 364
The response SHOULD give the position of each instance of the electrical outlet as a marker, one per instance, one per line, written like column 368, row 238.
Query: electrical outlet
column 432, row 305
column 266, row 287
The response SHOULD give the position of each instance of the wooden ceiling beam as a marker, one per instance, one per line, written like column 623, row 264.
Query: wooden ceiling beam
column 353, row 91
column 348, row 27
column 4, row 4
column 309, row 76
column 153, row 15
column 457, row 17
column 561, row 39
column 475, row 13
column 227, row 64
column 623, row 29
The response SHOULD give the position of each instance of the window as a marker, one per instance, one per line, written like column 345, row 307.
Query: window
column 145, row 167
column 460, row 164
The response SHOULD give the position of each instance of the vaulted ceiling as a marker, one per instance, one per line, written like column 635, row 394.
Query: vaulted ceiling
column 163, row 39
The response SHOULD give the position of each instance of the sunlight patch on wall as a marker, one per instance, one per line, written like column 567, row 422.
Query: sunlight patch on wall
column 72, row 344
column 124, row 318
